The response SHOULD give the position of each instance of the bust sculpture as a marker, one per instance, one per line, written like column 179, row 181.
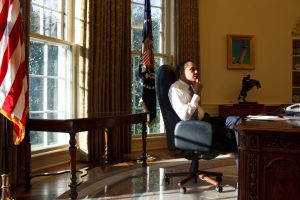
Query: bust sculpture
column 247, row 85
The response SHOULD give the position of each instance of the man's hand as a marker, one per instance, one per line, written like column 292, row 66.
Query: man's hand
column 197, row 86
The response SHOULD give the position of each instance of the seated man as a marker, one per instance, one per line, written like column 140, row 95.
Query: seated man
column 184, row 96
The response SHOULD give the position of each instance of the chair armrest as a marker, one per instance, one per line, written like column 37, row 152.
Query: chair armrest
column 193, row 135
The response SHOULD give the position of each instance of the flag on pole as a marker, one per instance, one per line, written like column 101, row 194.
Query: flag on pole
column 13, row 69
column 146, row 68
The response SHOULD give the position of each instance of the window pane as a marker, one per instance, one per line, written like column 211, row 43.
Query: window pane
column 156, row 19
column 53, row 4
column 37, row 1
column 36, row 115
column 52, row 94
column 138, row 1
column 52, row 60
column 156, row 3
column 35, row 19
column 137, row 16
column 36, row 58
column 36, row 139
column 156, row 42
column 136, row 85
column 136, row 44
column 51, row 23
column 46, row 18
column 52, row 138
column 52, row 116
column 36, row 97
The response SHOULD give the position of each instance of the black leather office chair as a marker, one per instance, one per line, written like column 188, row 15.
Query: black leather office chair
column 193, row 139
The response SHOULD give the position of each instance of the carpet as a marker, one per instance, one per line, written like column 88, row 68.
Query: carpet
column 136, row 182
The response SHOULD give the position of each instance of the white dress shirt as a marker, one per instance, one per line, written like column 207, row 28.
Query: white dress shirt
column 183, row 102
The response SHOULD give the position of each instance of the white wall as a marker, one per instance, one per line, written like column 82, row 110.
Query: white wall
column 271, row 23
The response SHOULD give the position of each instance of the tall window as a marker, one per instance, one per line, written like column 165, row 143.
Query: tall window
column 160, row 46
column 52, row 38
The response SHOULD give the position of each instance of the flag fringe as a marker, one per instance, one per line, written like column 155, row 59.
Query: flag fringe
column 17, row 139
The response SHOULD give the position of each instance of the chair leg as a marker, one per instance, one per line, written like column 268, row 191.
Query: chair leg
column 207, row 179
column 205, row 176
column 183, row 181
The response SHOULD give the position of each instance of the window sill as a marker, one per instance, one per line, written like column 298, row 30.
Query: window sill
column 49, row 158
column 44, row 159
column 155, row 141
column 41, row 152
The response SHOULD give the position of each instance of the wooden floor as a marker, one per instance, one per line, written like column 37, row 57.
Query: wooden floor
column 50, row 187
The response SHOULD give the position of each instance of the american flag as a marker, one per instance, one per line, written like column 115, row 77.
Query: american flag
column 146, row 69
column 13, row 69
column 147, row 58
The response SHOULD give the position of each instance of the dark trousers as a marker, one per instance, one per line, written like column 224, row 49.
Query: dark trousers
column 224, row 129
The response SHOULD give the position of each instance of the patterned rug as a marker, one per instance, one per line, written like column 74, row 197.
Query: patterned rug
column 136, row 182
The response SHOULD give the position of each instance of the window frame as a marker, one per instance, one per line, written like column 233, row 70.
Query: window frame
column 69, row 76
column 166, row 34
column 67, row 39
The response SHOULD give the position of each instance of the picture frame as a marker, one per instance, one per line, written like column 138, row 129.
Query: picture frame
column 240, row 52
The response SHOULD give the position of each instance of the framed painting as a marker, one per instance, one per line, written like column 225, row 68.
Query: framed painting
column 240, row 51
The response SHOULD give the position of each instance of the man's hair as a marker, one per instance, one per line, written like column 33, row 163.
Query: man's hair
column 181, row 66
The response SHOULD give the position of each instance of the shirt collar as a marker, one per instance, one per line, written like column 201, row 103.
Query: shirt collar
column 184, row 83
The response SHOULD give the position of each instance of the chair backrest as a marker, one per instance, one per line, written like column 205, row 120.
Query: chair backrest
column 165, row 77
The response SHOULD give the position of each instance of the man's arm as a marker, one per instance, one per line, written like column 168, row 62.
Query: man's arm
column 182, row 103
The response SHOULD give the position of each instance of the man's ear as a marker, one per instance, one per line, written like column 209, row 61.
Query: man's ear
column 182, row 75
column 181, row 72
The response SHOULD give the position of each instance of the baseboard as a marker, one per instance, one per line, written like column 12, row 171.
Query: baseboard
column 155, row 141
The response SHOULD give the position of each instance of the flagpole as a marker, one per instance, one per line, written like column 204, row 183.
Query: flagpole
column 147, row 72
column 5, row 177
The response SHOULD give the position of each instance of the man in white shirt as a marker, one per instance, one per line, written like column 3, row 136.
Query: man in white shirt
column 184, row 96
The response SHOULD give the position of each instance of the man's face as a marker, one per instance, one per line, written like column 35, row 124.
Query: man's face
column 190, row 73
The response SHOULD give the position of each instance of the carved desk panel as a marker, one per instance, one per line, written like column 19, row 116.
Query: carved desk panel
column 269, row 161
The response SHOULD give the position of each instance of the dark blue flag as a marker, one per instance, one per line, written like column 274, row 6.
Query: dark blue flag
column 146, row 68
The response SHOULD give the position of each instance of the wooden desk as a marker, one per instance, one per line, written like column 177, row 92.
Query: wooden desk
column 244, row 110
column 269, row 161
column 73, row 126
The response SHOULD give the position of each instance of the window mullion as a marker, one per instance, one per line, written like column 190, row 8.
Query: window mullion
column 45, row 134
column 45, row 82
column 62, row 24
column 41, row 21
column 45, row 139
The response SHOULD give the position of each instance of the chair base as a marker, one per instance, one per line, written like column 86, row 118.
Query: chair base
column 202, row 175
